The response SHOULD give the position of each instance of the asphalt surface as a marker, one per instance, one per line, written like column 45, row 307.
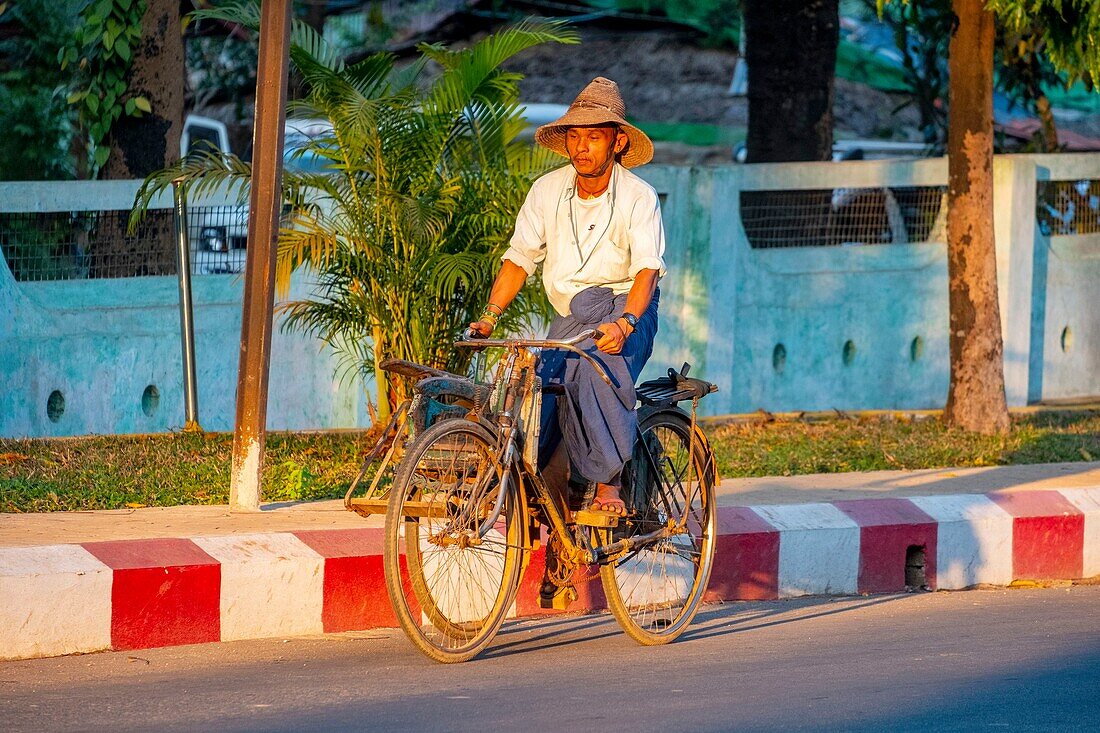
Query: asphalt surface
column 1015, row 659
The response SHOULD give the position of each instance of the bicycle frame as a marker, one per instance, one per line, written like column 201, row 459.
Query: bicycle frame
column 516, row 373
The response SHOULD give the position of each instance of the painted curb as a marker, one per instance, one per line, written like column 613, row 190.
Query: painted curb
column 136, row 594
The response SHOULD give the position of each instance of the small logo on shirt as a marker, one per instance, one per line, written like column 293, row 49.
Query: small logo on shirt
column 591, row 227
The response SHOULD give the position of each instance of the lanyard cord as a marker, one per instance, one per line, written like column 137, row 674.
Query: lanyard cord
column 573, row 220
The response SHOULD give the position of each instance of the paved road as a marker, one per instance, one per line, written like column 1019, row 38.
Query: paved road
column 1001, row 659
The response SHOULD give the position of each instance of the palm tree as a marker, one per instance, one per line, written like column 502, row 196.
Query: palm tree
column 421, row 181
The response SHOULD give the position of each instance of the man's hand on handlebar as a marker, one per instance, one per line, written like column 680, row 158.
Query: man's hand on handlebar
column 610, row 338
column 479, row 330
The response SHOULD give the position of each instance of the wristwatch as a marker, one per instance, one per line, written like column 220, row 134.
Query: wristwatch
column 631, row 319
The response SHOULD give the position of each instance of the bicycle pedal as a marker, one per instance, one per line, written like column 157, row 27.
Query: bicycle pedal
column 589, row 518
column 560, row 599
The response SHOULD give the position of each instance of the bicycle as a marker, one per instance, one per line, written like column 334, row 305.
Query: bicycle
column 466, row 504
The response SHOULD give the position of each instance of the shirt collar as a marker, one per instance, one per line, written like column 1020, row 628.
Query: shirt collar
column 570, row 189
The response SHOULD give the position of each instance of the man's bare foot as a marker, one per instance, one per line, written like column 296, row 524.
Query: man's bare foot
column 607, row 500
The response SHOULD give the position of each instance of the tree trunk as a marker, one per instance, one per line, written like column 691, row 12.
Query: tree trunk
column 976, row 395
column 791, row 54
column 790, row 49
column 1048, row 130
column 315, row 16
column 141, row 145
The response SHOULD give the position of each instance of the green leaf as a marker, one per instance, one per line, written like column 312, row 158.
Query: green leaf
column 143, row 104
column 123, row 50
column 91, row 101
column 130, row 107
column 101, row 154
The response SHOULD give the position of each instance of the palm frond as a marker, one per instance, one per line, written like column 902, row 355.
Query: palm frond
column 403, row 227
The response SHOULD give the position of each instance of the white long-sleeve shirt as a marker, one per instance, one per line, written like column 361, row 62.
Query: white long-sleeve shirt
column 582, row 243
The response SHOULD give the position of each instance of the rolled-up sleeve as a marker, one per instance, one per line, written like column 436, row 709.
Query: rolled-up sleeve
column 647, row 236
column 527, row 248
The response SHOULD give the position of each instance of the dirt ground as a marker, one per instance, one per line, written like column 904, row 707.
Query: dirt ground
column 668, row 77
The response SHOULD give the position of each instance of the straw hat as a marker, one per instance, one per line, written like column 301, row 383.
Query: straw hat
column 599, row 103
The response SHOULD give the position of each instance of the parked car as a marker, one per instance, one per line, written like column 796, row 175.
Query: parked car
column 219, row 234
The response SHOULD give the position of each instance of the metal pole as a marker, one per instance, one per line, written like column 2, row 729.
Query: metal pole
column 187, row 321
column 250, row 434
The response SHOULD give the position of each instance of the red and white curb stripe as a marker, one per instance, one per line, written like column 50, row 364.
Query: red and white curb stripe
column 133, row 594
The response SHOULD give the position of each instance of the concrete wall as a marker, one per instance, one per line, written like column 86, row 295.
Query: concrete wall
column 102, row 343
column 725, row 308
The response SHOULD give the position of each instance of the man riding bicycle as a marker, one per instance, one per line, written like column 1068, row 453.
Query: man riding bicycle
column 595, row 227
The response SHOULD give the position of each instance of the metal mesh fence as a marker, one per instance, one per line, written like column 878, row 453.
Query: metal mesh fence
column 218, row 235
column 831, row 217
column 1068, row 207
column 74, row 245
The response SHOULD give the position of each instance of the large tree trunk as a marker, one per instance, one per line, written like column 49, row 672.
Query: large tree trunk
column 141, row 145
column 790, row 49
column 976, row 396
column 791, row 54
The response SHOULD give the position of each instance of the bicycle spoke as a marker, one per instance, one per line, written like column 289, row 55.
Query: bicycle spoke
column 460, row 584
column 655, row 589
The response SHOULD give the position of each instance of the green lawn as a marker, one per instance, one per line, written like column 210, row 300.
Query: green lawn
column 163, row 470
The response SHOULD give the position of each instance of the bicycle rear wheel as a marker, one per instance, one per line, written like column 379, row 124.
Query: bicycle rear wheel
column 451, row 588
column 655, row 590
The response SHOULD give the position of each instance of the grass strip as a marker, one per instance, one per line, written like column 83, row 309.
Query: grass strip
column 114, row 472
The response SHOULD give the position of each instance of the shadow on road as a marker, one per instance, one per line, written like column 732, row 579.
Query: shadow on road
column 714, row 620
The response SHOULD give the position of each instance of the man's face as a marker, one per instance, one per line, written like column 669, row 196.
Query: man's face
column 590, row 147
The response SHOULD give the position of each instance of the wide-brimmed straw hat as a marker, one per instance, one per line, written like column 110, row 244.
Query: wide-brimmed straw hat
column 599, row 103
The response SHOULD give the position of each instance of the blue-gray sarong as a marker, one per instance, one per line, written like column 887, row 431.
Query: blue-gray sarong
column 597, row 423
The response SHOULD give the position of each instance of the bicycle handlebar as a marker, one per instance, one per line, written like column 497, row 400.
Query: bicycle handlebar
column 567, row 344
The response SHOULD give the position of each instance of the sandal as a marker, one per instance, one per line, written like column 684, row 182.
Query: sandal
column 607, row 500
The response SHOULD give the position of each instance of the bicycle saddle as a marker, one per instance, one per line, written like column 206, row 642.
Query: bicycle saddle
column 412, row 370
column 675, row 387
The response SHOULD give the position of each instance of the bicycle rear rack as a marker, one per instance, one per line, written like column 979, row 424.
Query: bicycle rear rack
column 391, row 441
column 434, row 398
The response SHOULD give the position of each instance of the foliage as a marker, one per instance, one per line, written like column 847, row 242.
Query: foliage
column 101, row 52
column 165, row 470
column 718, row 20
column 1025, row 67
column 1070, row 28
column 1024, row 47
column 873, row 443
column 222, row 67
column 922, row 32
column 35, row 119
column 186, row 468
column 424, row 176
column 44, row 245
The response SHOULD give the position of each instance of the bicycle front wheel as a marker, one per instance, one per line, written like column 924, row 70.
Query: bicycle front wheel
column 654, row 591
column 450, row 582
